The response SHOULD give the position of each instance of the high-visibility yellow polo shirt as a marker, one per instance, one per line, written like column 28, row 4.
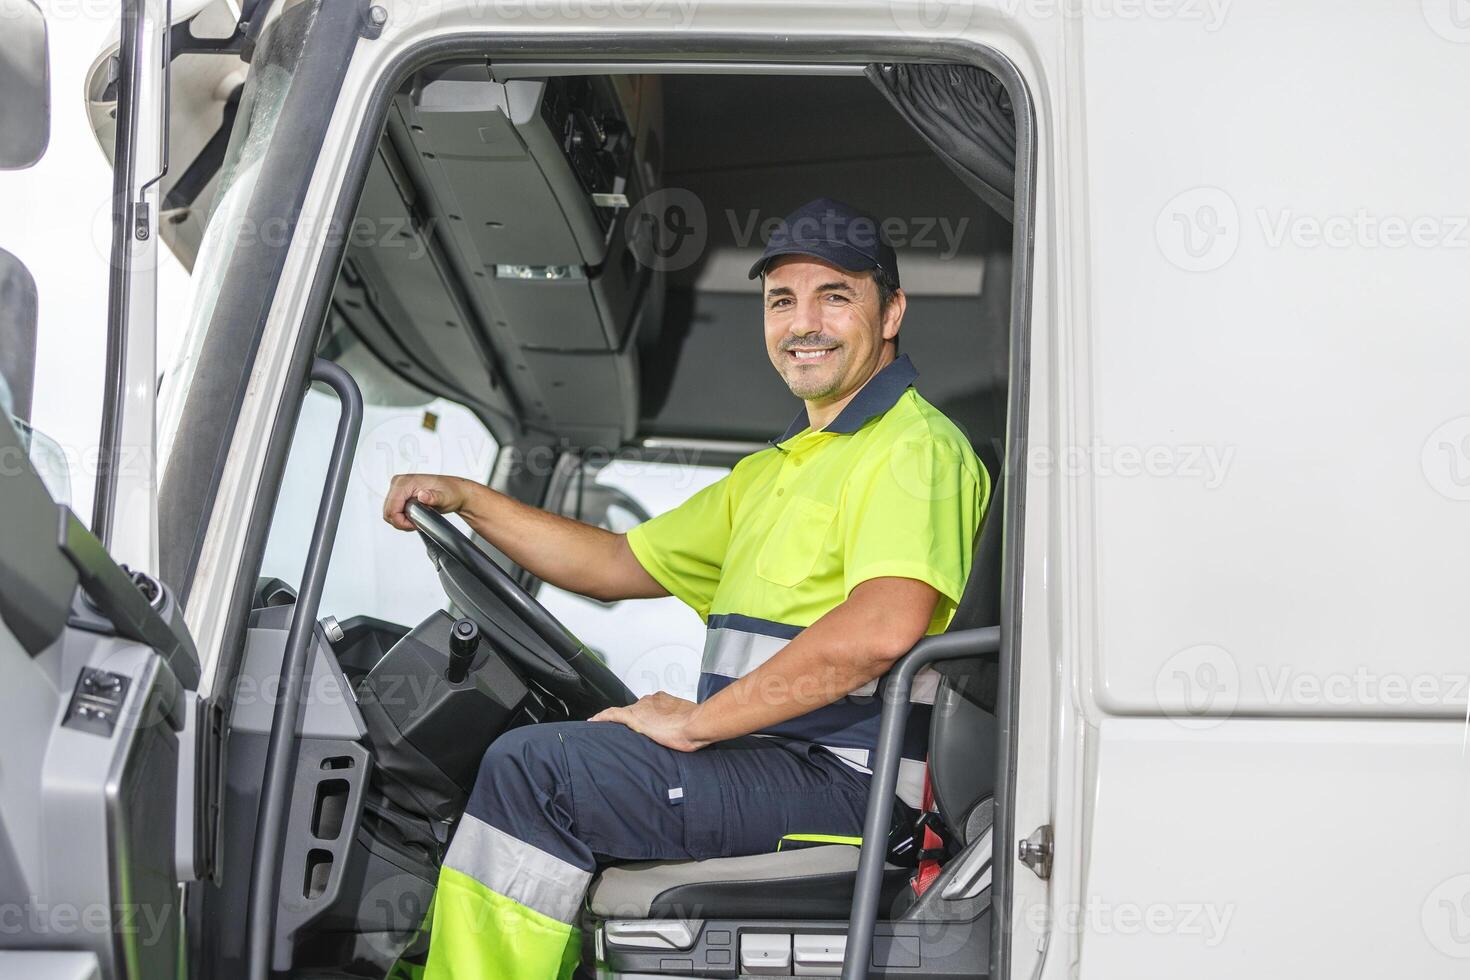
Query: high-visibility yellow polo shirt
column 890, row 488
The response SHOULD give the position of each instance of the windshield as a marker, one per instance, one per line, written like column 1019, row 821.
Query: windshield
column 227, row 224
column 256, row 207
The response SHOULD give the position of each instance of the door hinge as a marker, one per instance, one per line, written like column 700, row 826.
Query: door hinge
column 1035, row 851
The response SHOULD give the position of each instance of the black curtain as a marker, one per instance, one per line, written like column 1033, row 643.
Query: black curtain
column 965, row 114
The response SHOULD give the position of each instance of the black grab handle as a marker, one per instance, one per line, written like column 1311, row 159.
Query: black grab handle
column 280, row 759
column 884, row 783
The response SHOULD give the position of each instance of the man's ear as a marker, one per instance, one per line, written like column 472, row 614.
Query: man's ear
column 893, row 315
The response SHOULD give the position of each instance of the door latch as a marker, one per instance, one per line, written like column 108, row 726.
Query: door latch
column 1035, row 851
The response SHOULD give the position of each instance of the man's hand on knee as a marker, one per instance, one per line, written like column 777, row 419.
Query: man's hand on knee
column 661, row 717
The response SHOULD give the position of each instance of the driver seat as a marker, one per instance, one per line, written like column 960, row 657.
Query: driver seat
column 785, row 913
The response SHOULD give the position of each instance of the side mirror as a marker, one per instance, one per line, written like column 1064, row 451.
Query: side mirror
column 18, row 311
column 606, row 507
column 25, row 111
column 18, row 316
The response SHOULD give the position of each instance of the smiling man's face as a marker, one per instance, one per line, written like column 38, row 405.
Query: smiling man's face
column 824, row 331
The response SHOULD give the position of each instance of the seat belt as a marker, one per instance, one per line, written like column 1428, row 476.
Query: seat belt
column 929, row 832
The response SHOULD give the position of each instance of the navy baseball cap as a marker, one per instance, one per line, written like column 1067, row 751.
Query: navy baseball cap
column 832, row 231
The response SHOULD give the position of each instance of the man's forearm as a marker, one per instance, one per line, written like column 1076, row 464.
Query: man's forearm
column 855, row 643
column 569, row 554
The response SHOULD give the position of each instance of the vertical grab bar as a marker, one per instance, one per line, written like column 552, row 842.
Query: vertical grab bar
column 275, row 796
column 884, row 782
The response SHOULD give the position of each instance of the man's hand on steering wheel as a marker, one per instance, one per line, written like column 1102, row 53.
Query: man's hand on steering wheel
column 516, row 623
column 445, row 494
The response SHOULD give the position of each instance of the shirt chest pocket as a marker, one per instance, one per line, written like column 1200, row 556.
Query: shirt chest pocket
column 795, row 542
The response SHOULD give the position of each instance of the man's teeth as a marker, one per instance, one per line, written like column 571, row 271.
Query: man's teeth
column 805, row 355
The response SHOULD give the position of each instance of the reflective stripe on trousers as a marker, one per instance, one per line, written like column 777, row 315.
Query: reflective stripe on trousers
column 553, row 802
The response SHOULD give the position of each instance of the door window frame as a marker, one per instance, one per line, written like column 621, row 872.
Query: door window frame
column 643, row 52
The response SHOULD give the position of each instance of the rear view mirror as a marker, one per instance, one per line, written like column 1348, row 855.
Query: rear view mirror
column 18, row 315
column 25, row 110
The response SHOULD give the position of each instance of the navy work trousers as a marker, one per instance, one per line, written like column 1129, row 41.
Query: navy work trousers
column 552, row 802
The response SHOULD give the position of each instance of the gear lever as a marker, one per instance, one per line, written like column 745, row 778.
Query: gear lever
column 464, row 640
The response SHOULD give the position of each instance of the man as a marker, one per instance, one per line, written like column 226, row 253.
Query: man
column 816, row 564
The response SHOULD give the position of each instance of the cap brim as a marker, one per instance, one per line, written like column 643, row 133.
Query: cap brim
column 842, row 256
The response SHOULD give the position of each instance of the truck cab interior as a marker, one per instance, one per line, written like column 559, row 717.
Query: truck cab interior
column 556, row 262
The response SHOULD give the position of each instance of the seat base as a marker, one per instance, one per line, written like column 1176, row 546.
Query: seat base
column 715, row 948
column 810, row 883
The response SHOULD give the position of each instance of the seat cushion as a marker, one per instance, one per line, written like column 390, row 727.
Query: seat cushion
column 808, row 883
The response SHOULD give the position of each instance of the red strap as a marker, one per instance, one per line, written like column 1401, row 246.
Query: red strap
column 929, row 842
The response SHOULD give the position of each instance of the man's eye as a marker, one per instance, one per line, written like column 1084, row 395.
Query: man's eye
column 836, row 298
column 779, row 302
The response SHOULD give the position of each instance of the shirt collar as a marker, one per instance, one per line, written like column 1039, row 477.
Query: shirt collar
column 874, row 398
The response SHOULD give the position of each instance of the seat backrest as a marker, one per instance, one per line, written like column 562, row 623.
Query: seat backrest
column 962, row 733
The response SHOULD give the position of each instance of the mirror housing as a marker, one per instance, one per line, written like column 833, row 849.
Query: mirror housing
column 18, row 319
column 25, row 112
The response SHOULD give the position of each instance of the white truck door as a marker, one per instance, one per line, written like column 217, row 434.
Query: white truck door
column 96, row 661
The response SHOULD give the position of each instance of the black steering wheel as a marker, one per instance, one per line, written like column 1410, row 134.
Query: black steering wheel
column 513, row 622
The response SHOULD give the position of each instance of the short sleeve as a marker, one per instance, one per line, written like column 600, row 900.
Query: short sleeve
column 914, row 513
column 684, row 548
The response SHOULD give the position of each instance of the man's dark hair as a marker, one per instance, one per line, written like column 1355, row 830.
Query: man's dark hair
column 887, row 289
